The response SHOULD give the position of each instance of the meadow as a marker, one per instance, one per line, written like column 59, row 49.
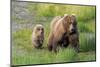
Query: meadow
column 26, row 14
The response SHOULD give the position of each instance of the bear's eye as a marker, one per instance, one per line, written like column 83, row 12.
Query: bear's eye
column 74, row 23
column 42, row 29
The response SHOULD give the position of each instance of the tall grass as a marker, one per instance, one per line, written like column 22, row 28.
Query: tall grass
column 88, row 26
column 43, row 56
column 83, row 13
column 87, row 42
column 22, row 39
column 24, row 51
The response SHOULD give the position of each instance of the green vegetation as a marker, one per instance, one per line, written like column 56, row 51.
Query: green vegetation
column 22, row 49
column 83, row 13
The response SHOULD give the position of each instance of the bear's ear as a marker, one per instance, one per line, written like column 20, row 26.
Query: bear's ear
column 65, row 16
column 74, row 16
column 65, row 19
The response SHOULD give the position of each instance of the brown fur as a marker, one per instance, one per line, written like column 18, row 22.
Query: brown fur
column 74, row 41
column 53, row 22
column 61, row 33
column 38, row 36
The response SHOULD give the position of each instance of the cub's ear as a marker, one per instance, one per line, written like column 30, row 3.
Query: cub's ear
column 34, row 30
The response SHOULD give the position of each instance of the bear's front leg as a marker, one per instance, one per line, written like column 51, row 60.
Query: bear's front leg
column 65, row 41
column 54, row 45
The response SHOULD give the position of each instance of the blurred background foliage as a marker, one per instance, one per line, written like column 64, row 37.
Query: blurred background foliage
column 83, row 13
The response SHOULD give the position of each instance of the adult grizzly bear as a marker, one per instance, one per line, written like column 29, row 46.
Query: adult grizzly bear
column 63, row 32
column 38, row 36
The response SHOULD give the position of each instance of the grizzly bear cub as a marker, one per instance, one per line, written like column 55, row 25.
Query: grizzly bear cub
column 38, row 36
column 63, row 32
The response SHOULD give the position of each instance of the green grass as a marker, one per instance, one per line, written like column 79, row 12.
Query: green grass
column 43, row 57
column 87, row 26
column 83, row 13
column 87, row 42
column 22, row 39
column 87, row 56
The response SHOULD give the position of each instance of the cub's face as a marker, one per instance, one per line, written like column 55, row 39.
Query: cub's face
column 39, row 30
